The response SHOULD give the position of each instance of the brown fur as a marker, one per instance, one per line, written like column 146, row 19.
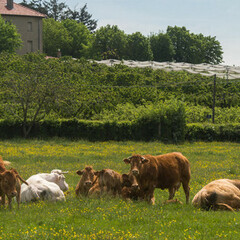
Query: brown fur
column 173, row 201
column 10, row 185
column 111, row 180
column 222, row 194
column 88, row 179
column 167, row 171
column 130, row 188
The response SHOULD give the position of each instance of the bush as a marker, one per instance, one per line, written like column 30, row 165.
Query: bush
column 213, row 132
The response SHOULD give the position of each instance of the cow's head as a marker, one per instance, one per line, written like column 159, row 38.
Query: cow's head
column 130, row 181
column 60, row 180
column 137, row 162
column 88, row 176
column 8, row 180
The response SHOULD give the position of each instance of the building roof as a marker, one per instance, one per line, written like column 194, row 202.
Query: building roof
column 18, row 10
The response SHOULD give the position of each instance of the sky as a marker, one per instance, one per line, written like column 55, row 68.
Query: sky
column 215, row 18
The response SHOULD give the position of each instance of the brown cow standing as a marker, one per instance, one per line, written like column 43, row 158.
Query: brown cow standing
column 87, row 181
column 167, row 171
column 9, row 184
column 219, row 194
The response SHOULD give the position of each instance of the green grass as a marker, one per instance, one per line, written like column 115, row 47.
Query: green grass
column 109, row 218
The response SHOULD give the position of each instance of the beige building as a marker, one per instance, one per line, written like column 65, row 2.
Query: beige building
column 28, row 22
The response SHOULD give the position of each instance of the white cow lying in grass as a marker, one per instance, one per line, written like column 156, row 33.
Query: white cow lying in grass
column 45, row 186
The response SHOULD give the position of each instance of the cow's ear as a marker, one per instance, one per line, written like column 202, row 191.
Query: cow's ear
column 127, row 160
column 79, row 172
column 144, row 160
column 125, row 176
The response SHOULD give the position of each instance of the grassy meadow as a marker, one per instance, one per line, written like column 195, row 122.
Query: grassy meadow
column 109, row 218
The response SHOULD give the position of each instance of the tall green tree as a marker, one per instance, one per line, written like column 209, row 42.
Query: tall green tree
column 193, row 48
column 55, row 9
column 80, row 38
column 162, row 47
column 181, row 40
column 138, row 47
column 10, row 39
column 82, row 16
column 109, row 42
column 56, row 36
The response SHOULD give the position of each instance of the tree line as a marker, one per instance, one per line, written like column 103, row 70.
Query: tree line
column 75, row 33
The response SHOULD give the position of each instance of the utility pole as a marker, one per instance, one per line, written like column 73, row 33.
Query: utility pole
column 214, row 96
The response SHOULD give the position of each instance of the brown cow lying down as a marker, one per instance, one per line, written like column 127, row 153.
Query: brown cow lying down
column 219, row 194
column 95, row 183
column 9, row 184
column 130, row 188
column 162, row 171
column 114, row 183
column 110, row 181
column 87, row 181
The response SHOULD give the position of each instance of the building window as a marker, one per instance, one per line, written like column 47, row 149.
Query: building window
column 29, row 46
column 29, row 26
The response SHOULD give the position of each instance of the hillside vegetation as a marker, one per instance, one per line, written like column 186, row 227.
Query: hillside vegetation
column 34, row 88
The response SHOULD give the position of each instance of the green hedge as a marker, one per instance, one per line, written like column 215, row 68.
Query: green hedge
column 143, row 129
column 213, row 132
column 96, row 130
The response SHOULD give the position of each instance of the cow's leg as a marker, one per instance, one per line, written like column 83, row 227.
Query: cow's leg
column 10, row 202
column 3, row 200
column 149, row 196
column 186, row 189
column 18, row 197
column 171, row 191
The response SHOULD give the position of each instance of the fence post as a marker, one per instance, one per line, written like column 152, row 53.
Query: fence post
column 214, row 96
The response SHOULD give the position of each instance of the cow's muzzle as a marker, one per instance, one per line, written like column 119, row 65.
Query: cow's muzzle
column 135, row 172
column 88, row 183
column 135, row 186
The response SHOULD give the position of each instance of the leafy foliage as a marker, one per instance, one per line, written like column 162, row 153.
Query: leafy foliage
column 10, row 39
column 35, row 88
column 193, row 48
column 138, row 47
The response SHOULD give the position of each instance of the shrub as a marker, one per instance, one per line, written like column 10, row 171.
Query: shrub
column 213, row 132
